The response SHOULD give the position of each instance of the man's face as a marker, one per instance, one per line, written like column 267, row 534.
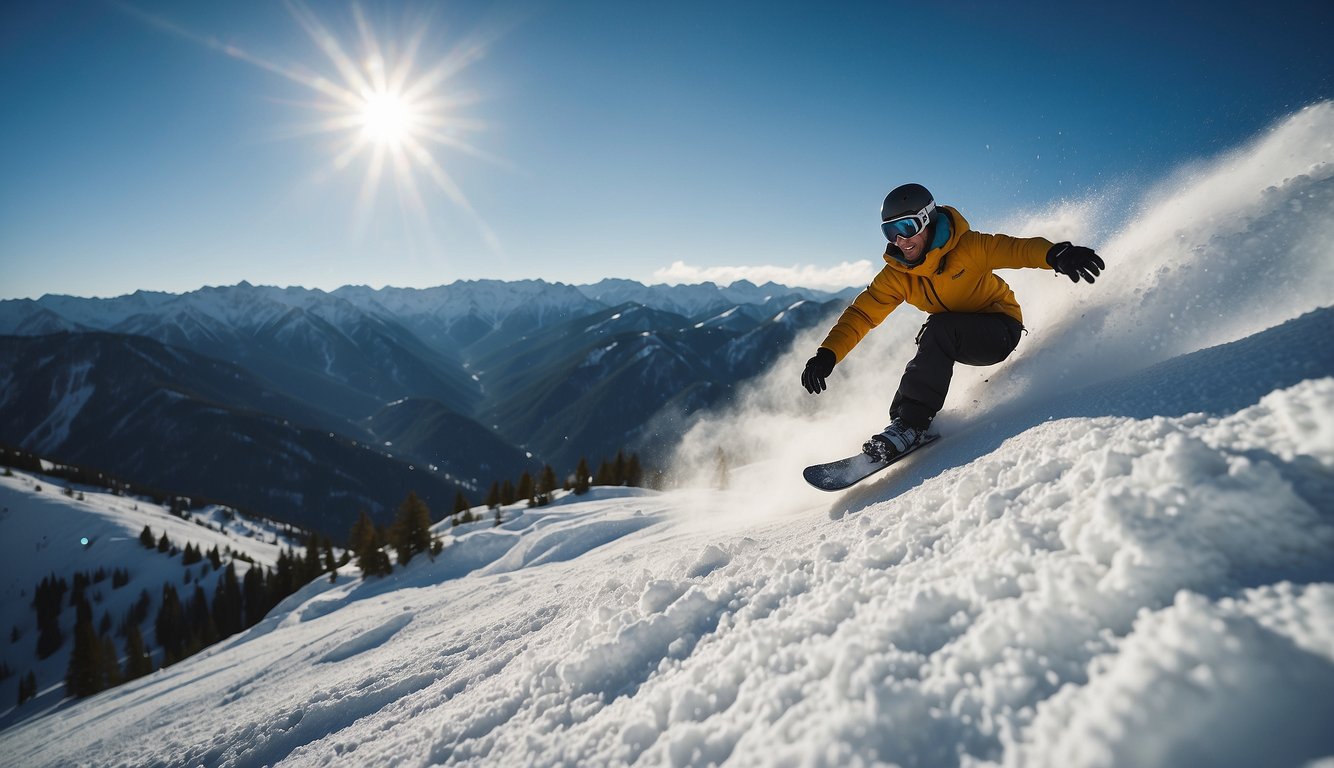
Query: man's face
column 914, row 248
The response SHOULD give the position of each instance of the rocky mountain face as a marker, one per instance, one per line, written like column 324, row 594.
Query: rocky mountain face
column 307, row 404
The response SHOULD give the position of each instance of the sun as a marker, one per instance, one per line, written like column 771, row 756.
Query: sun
column 392, row 109
column 391, row 106
column 387, row 119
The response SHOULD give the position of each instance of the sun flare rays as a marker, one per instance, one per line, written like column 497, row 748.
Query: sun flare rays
column 389, row 106
column 389, row 114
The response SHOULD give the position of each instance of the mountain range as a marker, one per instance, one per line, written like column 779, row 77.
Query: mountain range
column 310, row 406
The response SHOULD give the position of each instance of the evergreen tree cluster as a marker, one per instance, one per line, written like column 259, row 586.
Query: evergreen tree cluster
column 409, row 536
column 93, row 664
column 27, row 687
column 186, row 621
column 620, row 471
column 540, row 491
column 48, row 601
column 97, row 664
column 190, row 619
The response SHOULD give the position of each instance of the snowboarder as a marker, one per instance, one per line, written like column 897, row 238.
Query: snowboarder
column 936, row 263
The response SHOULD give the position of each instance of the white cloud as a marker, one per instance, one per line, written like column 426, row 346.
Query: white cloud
column 837, row 277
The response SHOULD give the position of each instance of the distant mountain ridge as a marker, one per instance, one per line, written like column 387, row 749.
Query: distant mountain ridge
column 470, row 383
column 492, row 301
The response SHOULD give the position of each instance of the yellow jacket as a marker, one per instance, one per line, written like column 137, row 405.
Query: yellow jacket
column 954, row 277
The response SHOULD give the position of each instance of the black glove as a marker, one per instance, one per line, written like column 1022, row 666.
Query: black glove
column 1075, row 261
column 817, row 370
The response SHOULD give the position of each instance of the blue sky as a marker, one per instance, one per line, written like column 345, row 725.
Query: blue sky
column 596, row 139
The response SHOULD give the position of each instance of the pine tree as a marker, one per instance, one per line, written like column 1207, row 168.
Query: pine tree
column 203, row 630
column 198, row 611
column 27, row 688
column 255, row 592
column 164, row 543
column 493, row 496
column 81, row 582
column 582, row 478
column 310, row 566
column 546, row 486
column 138, row 612
column 507, row 496
column 461, row 507
column 605, row 475
column 411, row 533
column 228, row 612
column 283, row 581
column 146, row 538
column 359, row 540
column 137, row 661
column 618, row 469
column 330, row 561
column 375, row 561
column 47, row 600
column 525, row 489
column 111, row 676
column 84, row 675
column 634, row 473
column 170, row 626
column 215, row 558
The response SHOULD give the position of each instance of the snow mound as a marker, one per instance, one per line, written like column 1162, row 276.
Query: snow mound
column 1203, row 666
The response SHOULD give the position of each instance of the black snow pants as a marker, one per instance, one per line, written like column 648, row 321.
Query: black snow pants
column 946, row 339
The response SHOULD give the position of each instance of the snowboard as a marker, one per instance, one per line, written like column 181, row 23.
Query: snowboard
column 844, row 473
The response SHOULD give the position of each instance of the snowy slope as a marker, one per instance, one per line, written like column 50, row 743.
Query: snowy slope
column 41, row 528
column 1100, row 592
column 1122, row 553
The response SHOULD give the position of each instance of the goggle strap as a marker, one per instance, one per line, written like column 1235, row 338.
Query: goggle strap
column 923, row 216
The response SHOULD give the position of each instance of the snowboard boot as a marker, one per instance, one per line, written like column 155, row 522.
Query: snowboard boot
column 897, row 439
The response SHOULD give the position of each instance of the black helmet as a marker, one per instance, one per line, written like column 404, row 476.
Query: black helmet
column 907, row 210
column 906, row 200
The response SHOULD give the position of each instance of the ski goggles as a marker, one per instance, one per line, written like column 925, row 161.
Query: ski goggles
column 907, row 226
